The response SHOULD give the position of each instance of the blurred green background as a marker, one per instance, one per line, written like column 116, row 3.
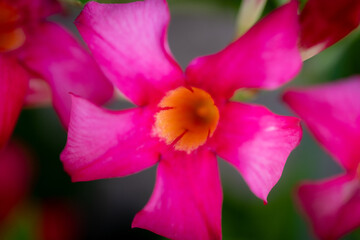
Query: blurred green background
column 106, row 207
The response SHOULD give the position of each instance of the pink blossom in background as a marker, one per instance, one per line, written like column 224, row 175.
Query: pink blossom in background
column 33, row 48
column 324, row 22
column 183, row 120
column 332, row 114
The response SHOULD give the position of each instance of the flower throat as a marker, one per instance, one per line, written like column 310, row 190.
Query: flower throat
column 187, row 118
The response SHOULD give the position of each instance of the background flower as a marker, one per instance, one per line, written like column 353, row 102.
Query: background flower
column 32, row 47
column 324, row 23
column 332, row 113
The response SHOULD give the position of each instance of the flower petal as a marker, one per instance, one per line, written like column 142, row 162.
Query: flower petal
column 256, row 142
column 15, row 175
column 266, row 56
column 129, row 42
column 186, row 202
column 105, row 144
column 13, row 86
column 324, row 23
column 54, row 54
column 333, row 205
column 43, row 8
column 332, row 113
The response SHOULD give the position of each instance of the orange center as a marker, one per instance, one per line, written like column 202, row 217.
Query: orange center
column 358, row 171
column 188, row 117
column 11, row 36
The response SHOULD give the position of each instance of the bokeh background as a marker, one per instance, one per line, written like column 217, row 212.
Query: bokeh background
column 104, row 209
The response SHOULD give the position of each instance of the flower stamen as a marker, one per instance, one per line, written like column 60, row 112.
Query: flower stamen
column 187, row 118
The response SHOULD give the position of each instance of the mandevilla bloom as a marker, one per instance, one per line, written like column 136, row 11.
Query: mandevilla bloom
column 33, row 48
column 183, row 120
column 324, row 22
column 332, row 113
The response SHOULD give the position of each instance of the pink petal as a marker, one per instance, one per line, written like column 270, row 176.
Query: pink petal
column 186, row 202
column 105, row 144
column 13, row 86
column 333, row 205
column 325, row 22
column 43, row 8
column 265, row 57
column 53, row 53
column 257, row 143
column 15, row 174
column 129, row 42
column 332, row 113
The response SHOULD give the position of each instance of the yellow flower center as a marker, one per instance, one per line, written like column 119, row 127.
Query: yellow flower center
column 188, row 117
column 11, row 36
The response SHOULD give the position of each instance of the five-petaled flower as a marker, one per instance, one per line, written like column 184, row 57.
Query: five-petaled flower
column 184, row 119
column 332, row 113
column 32, row 50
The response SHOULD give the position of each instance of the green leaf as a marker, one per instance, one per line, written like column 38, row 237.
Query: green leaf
column 83, row 1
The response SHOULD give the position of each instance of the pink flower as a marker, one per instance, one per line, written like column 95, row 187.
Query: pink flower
column 183, row 120
column 332, row 113
column 324, row 22
column 33, row 48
